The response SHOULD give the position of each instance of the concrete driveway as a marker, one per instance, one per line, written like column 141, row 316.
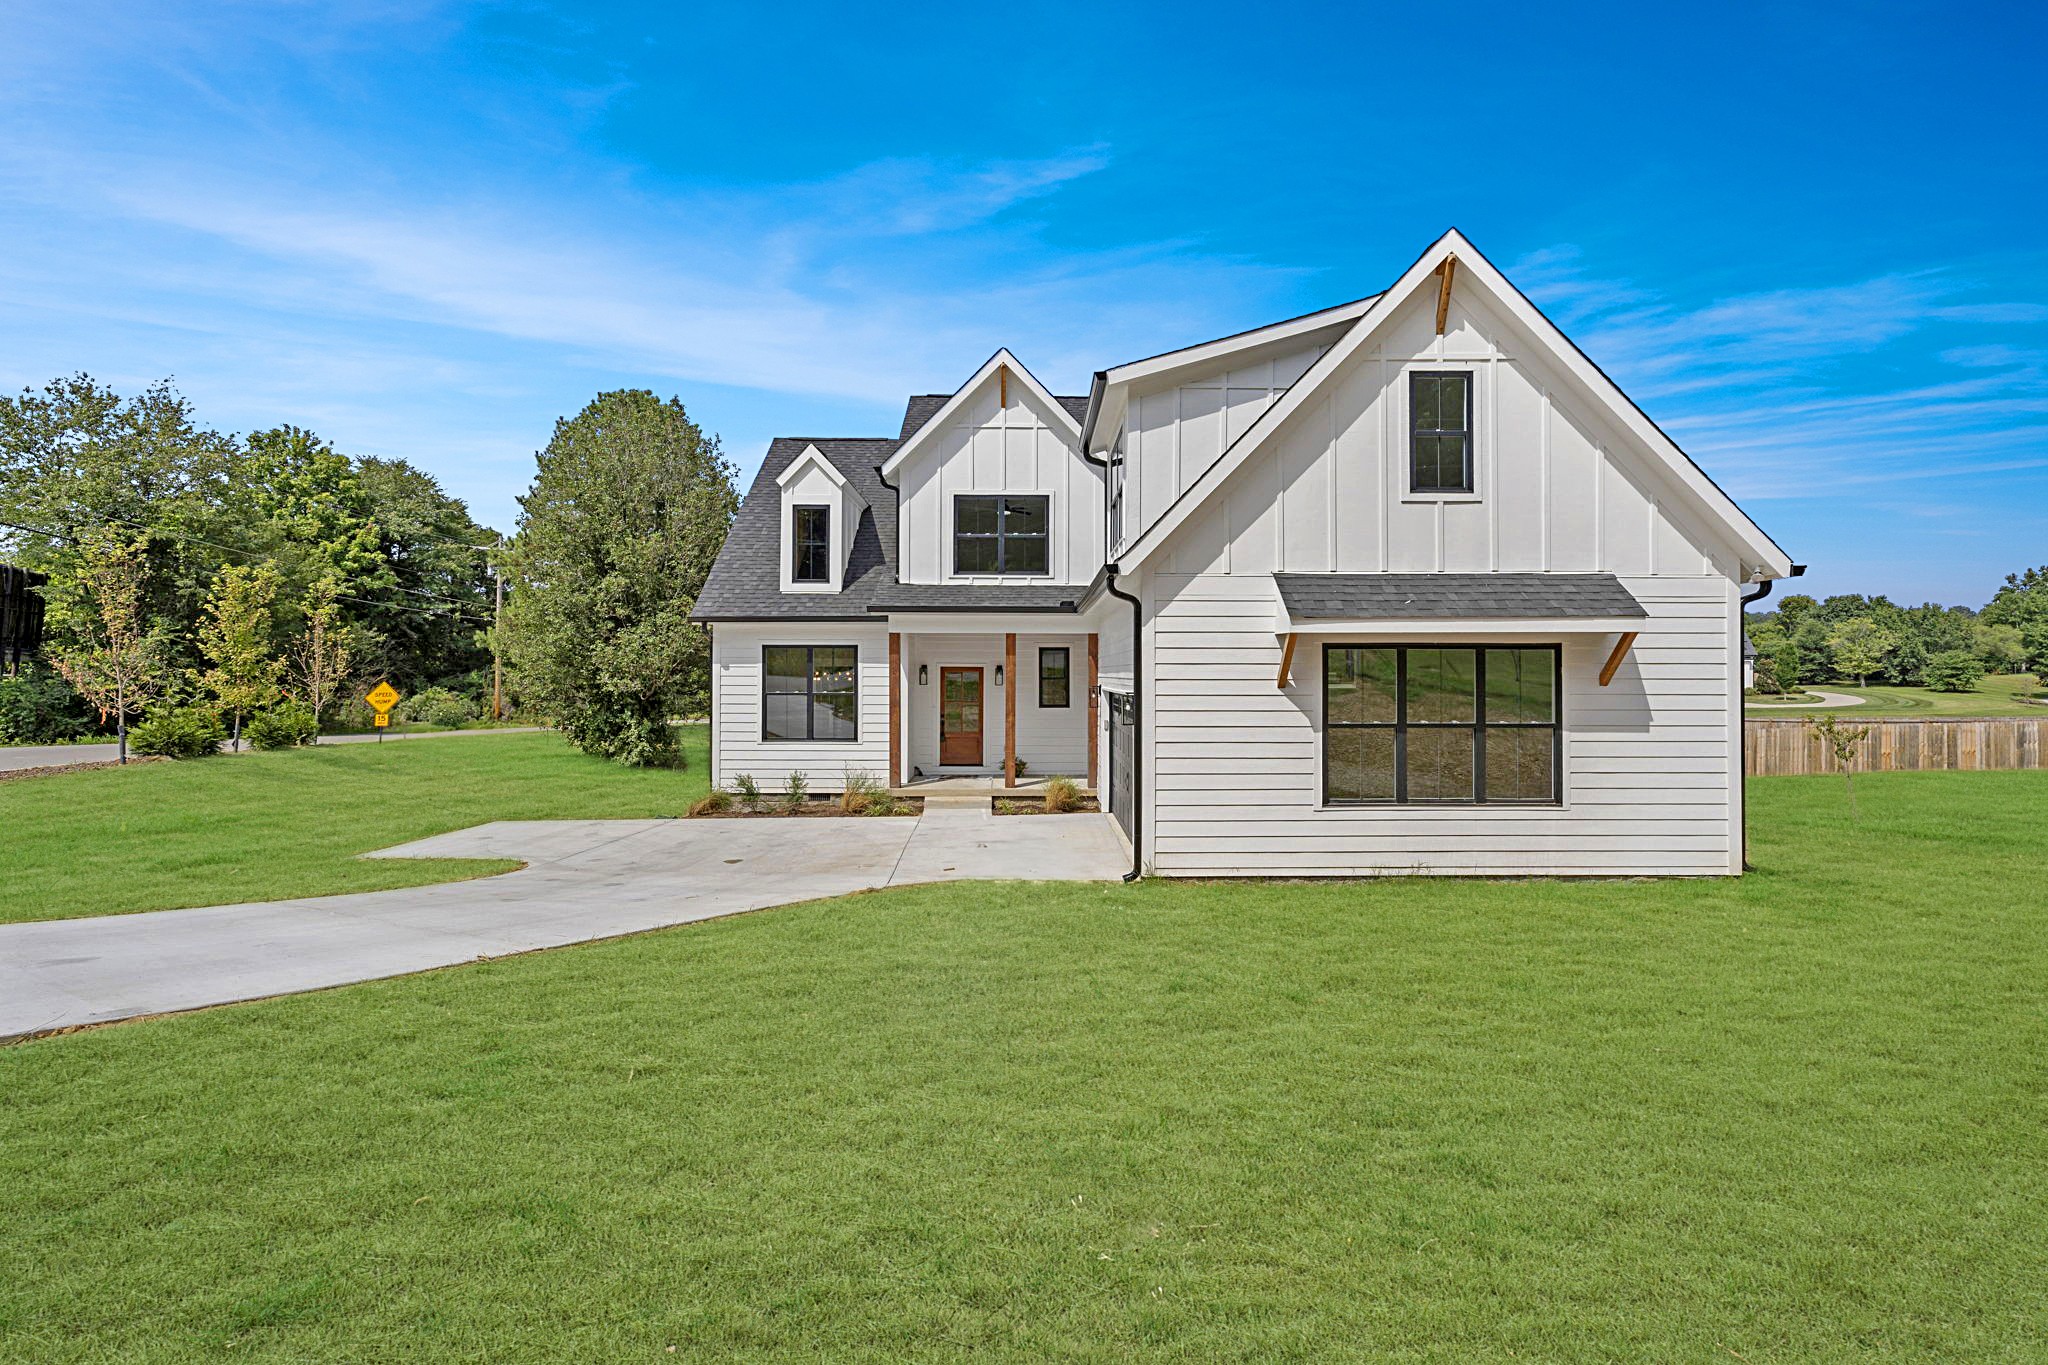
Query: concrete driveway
column 584, row 879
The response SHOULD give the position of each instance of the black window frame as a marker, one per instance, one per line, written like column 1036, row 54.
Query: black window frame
column 810, row 695
column 1001, row 537
column 1065, row 678
column 798, row 544
column 1416, row 432
column 1478, row 725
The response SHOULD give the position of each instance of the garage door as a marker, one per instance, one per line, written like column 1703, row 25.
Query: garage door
column 1123, row 763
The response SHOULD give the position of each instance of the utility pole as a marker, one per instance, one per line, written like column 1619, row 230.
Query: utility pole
column 497, row 662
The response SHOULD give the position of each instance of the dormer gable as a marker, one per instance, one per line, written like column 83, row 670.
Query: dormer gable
column 819, row 512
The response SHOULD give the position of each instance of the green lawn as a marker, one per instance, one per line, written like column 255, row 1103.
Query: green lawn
column 1800, row 1117
column 1999, row 694
column 248, row 827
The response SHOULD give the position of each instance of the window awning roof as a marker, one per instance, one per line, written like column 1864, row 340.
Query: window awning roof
column 1584, row 601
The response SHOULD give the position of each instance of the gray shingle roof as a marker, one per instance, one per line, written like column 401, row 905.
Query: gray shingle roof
column 978, row 597
column 746, row 581
column 1455, row 596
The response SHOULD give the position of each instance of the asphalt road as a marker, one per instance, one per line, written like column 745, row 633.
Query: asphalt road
column 14, row 757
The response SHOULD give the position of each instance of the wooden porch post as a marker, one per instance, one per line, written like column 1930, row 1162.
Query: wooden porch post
column 895, row 709
column 1010, row 710
column 1093, row 678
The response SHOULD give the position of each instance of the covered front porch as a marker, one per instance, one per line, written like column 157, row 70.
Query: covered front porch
column 976, row 709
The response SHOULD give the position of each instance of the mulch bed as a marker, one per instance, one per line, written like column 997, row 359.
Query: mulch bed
column 1025, row 805
column 817, row 808
column 18, row 774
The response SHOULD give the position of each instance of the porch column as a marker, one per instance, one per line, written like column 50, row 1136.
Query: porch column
column 1093, row 679
column 1010, row 709
column 895, row 709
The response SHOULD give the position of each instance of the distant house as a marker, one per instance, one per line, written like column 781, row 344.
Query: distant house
column 1405, row 585
column 1748, row 662
column 21, row 616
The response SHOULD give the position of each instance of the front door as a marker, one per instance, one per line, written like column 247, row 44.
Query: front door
column 960, row 718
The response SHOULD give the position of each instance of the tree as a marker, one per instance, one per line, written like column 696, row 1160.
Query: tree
column 117, row 664
column 321, row 658
column 629, row 506
column 311, row 512
column 1859, row 646
column 2002, row 648
column 1954, row 670
column 1842, row 741
column 236, row 639
column 432, row 624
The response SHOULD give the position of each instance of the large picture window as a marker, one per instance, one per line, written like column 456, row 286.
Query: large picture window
column 1440, row 442
column 810, row 692
column 1437, row 724
column 1000, row 533
column 812, row 545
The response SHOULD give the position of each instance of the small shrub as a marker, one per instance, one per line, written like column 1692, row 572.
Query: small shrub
column 38, row 707
column 716, row 802
column 860, row 793
column 796, row 788
column 1022, row 766
column 1062, row 794
column 747, row 790
column 883, row 802
column 436, row 706
column 1954, row 670
column 1767, row 676
column 282, row 727
column 178, row 732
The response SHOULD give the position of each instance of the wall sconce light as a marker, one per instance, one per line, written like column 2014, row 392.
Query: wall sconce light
column 924, row 676
column 999, row 675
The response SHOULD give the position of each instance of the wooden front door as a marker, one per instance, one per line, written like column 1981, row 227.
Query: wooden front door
column 960, row 717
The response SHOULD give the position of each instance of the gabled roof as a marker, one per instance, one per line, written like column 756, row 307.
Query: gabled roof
column 923, row 406
column 810, row 457
column 745, row 583
column 1760, row 552
column 936, row 420
column 1206, row 352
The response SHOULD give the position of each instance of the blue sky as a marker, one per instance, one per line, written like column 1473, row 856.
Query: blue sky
column 1806, row 238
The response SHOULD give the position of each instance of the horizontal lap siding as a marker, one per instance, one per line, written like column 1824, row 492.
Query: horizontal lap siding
column 736, row 676
column 1236, row 761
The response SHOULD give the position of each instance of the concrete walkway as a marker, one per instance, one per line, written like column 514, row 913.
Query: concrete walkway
column 1821, row 699
column 14, row 757
column 584, row 879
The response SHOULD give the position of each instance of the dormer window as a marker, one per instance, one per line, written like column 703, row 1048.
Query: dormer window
column 1001, row 534
column 811, row 543
column 1440, row 443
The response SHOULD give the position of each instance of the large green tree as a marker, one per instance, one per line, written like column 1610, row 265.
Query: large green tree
column 238, row 638
column 432, row 626
column 629, row 505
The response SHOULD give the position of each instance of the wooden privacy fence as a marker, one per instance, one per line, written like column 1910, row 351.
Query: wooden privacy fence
column 1787, row 748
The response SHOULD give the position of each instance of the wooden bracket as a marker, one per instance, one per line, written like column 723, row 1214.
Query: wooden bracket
column 1621, row 647
column 1443, row 292
column 1286, row 659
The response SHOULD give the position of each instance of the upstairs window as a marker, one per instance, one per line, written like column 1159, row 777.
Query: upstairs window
column 1000, row 533
column 1438, row 725
column 811, row 546
column 1440, row 442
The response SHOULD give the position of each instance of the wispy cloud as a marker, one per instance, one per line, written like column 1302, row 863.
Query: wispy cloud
column 1797, row 393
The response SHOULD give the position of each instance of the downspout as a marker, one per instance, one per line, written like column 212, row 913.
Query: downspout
column 1761, row 591
column 1137, row 722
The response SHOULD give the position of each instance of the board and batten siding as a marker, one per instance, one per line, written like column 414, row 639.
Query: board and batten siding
column 990, row 448
column 1652, row 762
column 736, row 701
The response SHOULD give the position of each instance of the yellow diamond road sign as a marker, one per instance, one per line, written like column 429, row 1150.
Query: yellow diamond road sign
column 382, row 697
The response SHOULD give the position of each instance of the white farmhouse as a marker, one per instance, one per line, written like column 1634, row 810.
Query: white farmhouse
column 1403, row 586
